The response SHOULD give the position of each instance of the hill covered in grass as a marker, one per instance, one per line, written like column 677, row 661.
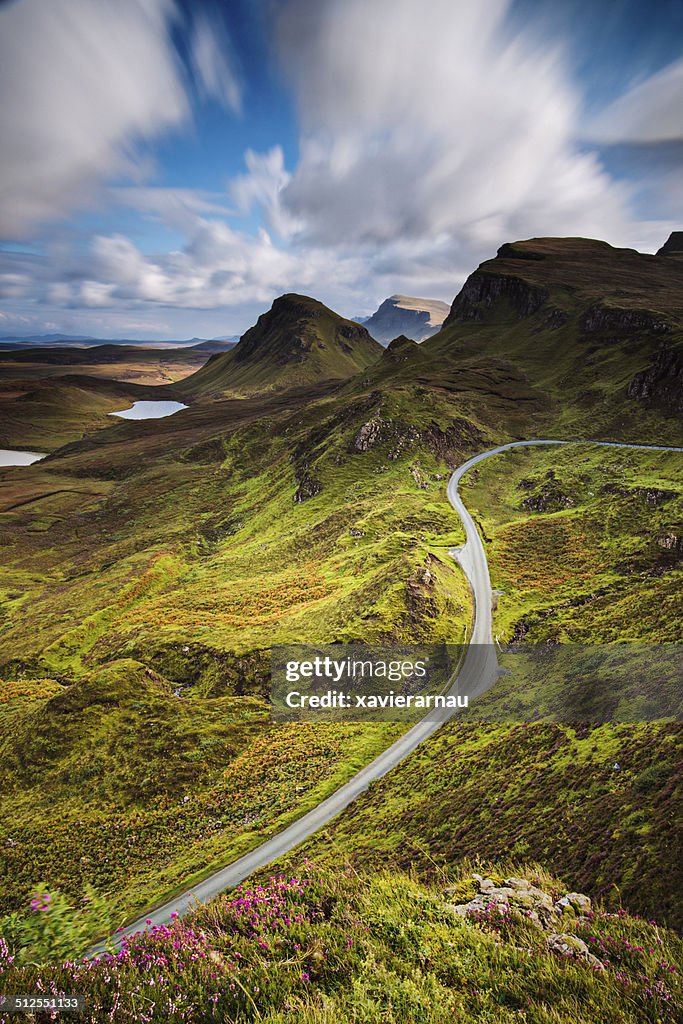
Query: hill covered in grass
column 585, row 544
column 319, row 946
column 582, row 545
column 120, row 783
column 551, row 793
column 298, row 341
column 142, row 562
column 112, row 361
column 46, row 413
column 598, row 330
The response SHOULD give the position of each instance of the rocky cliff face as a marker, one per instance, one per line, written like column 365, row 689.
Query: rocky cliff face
column 583, row 278
column 483, row 290
column 661, row 384
column 406, row 315
column 602, row 319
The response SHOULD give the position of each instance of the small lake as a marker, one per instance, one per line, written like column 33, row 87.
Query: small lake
column 8, row 457
column 149, row 410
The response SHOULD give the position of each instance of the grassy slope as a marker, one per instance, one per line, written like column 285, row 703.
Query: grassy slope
column 192, row 557
column 323, row 947
column 45, row 414
column 127, row 363
column 591, row 573
column 208, row 547
column 579, row 319
column 182, row 547
column 119, row 783
column 297, row 342
column 593, row 565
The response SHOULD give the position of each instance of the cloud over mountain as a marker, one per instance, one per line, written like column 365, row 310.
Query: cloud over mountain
column 425, row 134
column 420, row 119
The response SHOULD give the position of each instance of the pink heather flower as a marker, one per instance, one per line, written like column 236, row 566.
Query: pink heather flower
column 41, row 901
column 305, row 976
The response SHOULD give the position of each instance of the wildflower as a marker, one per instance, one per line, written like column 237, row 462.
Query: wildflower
column 41, row 902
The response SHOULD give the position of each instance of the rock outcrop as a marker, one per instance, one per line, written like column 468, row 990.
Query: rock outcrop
column 483, row 290
column 612, row 319
column 555, row 919
column 661, row 384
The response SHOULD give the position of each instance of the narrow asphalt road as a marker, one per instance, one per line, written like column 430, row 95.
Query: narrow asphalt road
column 477, row 674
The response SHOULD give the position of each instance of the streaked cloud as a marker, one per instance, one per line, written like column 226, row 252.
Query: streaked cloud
column 90, row 81
column 419, row 119
column 650, row 112
column 429, row 133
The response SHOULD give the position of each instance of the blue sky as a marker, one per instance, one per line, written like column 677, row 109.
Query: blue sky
column 168, row 167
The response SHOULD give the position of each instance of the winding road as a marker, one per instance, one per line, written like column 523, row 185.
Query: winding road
column 477, row 673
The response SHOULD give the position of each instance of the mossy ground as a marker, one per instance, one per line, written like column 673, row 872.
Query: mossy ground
column 584, row 543
column 117, row 782
column 602, row 803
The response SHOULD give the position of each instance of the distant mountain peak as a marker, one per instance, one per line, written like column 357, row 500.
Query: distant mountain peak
column 673, row 244
column 407, row 315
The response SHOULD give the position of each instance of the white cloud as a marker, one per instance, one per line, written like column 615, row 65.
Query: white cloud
column 177, row 207
column 88, row 80
column 213, row 62
column 651, row 111
column 420, row 119
column 429, row 135
column 262, row 186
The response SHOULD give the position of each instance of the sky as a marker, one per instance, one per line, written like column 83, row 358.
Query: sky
column 168, row 167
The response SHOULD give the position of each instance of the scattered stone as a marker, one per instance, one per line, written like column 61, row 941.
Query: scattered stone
column 670, row 541
column 419, row 479
column 549, row 498
column 516, row 883
column 308, row 488
column 578, row 901
column 368, row 435
column 547, row 915
column 571, row 945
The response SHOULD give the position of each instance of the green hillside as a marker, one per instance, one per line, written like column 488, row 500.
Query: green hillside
column 298, row 341
column 597, row 330
column 148, row 568
column 583, row 548
column 45, row 414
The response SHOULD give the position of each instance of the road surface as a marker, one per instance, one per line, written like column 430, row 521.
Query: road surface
column 477, row 674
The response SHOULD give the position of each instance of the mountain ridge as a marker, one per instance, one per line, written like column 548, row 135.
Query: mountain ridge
column 298, row 341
